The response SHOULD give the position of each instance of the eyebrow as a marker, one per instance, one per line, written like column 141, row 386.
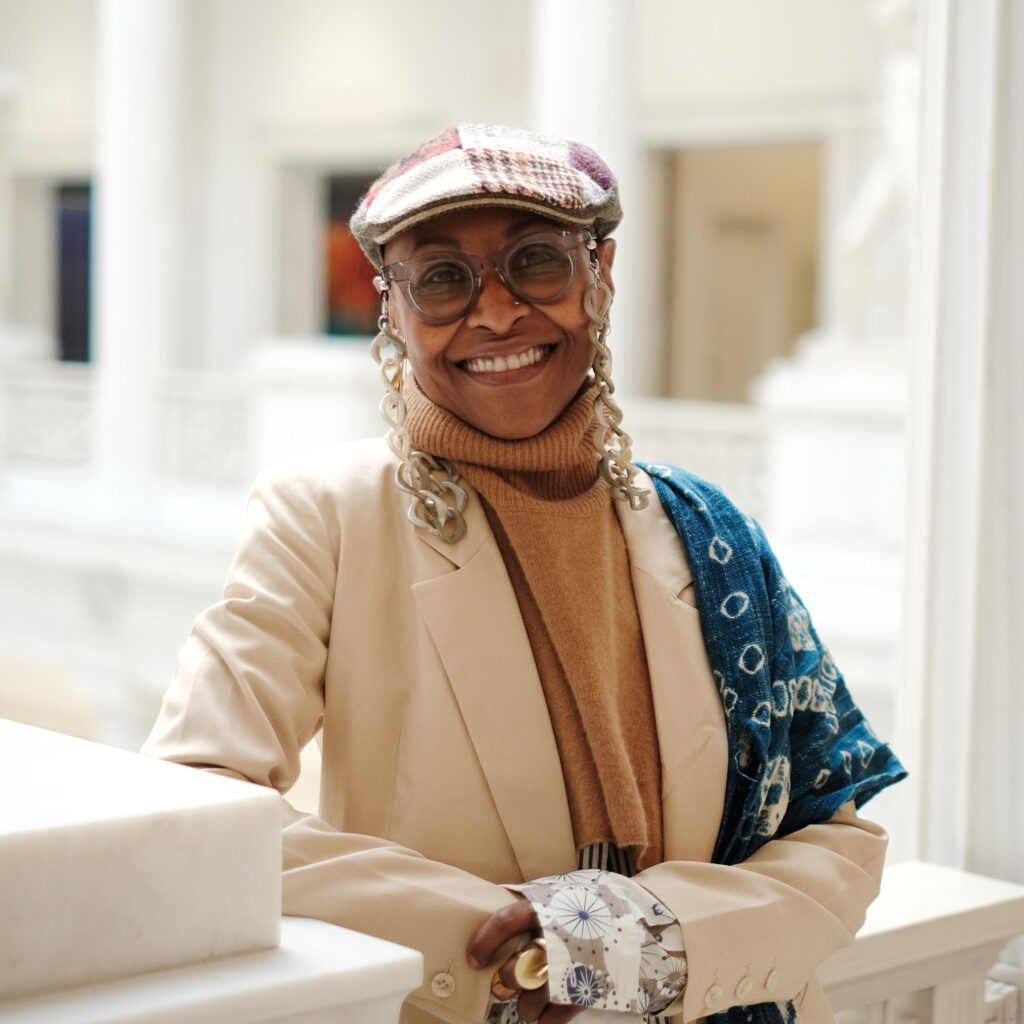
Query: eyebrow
column 436, row 240
column 510, row 232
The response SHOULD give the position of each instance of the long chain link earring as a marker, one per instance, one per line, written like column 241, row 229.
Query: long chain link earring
column 437, row 499
column 613, row 444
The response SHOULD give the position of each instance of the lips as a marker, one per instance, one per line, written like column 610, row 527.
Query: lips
column 500, row 364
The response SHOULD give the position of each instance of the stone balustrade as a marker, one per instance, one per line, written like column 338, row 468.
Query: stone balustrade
column 318, row 974
column 137, row 890
column 125, row 899
column 924, row 952
column 221, row 428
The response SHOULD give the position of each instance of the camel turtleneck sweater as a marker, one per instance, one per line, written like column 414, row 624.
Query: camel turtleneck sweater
column 560, row 538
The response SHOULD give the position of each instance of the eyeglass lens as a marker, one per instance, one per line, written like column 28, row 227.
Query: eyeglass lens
column 443, row 286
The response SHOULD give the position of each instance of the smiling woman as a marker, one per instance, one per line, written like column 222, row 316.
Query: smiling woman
column 560, row 720
column 504, row 349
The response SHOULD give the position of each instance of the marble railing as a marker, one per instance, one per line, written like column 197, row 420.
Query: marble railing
column 212, row 430
column 46, row 412
column 722, row 442
column 204, row 428
column 930, row 940
column 47, row 418
column 139, row 890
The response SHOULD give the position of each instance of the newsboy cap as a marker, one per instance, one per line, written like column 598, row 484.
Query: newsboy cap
column 488, row 165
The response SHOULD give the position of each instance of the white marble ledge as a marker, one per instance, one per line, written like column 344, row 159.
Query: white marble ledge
column 320, row 973
column 930, row 924
column 113, row 864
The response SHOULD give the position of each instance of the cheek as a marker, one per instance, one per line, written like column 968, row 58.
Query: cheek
column 425, row 347
column 576, row 323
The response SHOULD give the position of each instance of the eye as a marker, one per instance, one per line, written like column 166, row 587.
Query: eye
column 442, row 274
column 541, row 271
column 536, row 256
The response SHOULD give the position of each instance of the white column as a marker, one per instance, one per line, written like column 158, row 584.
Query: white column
column 7, row 89
column 582, row 88
column 139, row 234
column 964, row 708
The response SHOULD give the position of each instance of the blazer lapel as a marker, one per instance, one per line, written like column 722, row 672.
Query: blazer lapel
column 687, row 707
column 474, row 620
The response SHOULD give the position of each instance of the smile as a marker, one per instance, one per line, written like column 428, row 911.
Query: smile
column 516, row 361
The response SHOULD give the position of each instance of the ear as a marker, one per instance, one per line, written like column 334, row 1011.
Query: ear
column 394, row 302
column 606, row 257
column 393, row 308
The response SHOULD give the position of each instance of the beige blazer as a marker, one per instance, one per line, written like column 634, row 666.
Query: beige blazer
column 440, row 775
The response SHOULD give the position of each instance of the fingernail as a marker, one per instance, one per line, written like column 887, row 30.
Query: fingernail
column 473, row 962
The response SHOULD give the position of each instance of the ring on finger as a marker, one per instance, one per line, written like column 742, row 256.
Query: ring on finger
column 500, row 990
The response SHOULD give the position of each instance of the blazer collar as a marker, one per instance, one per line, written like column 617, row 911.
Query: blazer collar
column 478, row 531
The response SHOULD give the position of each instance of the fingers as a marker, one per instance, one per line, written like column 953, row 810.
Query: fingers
column 534, row 1006
column 515, row 919
column 559, row 1014
column 511, row 920
column 531, row 1004
column 506, row 973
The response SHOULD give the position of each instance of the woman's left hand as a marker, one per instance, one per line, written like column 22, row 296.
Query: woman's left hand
column 516, row 919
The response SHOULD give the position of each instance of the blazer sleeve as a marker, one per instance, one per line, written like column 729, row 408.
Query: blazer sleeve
column 755, row 931
column 248, row 695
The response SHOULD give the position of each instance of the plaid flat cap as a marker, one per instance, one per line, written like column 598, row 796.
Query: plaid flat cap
column 488, row 165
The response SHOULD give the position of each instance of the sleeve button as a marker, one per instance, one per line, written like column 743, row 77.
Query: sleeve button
column 713, row 996
column 771, row 983
column 442, row 984
column 743, row 987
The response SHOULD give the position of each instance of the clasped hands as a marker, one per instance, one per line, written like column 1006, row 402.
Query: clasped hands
column 515, row 919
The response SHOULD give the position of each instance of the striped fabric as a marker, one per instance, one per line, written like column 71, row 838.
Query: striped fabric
column 605, row 857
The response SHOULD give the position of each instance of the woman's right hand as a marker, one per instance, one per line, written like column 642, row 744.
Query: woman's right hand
column 515, row 919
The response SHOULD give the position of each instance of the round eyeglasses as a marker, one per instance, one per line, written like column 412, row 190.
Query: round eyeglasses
column 441, row 287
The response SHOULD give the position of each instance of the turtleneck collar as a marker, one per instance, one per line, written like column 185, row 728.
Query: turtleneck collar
column 558, row 463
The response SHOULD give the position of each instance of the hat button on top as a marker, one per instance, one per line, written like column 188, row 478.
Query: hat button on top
column 442, row 984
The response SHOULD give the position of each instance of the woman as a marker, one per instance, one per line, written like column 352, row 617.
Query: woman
column 560, row 697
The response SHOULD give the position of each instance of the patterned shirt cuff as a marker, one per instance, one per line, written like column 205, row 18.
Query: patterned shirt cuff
column 611, row 945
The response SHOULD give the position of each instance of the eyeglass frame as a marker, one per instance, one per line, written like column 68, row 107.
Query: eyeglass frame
column 499, row 261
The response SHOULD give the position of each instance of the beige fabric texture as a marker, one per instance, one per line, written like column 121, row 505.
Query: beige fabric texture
column 441, row 776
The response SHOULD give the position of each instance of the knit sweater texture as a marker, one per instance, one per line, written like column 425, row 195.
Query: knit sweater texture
column 560, row 538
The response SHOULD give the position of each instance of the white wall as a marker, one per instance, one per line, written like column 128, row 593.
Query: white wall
column 48, row 48
column 709, row 68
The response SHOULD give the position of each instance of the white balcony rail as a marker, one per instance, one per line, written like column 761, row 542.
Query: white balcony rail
column 319, row 974
column 46, row 413
column 207, row 429
column 204, row 434
column 724, row 443
column 930, row 940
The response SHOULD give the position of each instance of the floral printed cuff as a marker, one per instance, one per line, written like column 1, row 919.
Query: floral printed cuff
column 611, row 945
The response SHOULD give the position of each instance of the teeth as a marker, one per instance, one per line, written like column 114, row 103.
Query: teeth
column 499, row 364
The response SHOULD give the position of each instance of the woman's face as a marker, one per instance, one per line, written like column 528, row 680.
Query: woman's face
column 466, row 366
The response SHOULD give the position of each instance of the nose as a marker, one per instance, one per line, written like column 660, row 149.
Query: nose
column 496, row 308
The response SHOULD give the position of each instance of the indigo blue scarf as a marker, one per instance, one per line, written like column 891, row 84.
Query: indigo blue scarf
column 799, row 748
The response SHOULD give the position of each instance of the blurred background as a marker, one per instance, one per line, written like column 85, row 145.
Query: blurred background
column 181, row 305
